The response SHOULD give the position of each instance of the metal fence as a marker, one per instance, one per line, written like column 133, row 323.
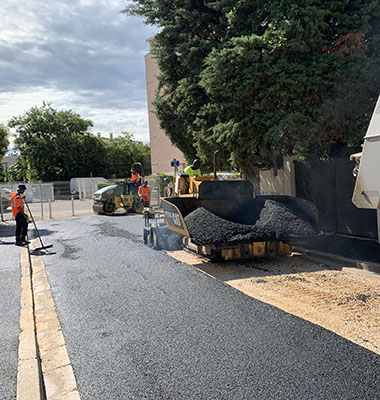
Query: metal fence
column 56, row 200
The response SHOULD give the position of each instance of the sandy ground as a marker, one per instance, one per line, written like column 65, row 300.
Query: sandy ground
column 343, row 300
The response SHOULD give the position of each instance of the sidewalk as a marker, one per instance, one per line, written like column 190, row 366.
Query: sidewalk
column 59, row 209
column 62, row 208
column 357, row 252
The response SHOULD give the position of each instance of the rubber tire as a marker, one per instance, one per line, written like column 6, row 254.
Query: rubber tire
column 109, row 212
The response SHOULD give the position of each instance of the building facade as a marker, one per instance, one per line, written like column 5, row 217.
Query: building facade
column 161, row 149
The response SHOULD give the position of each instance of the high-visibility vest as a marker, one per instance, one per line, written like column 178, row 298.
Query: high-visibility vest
column 192, row 172
column 144, row 192
column 135, row 177
column 17, row 200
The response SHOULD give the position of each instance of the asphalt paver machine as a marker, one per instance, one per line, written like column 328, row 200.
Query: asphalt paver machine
column 221, row 220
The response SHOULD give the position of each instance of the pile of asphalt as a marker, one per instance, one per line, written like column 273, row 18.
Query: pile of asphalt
column 273, row 221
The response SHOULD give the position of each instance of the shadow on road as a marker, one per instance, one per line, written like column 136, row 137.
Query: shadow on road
column 7, row 229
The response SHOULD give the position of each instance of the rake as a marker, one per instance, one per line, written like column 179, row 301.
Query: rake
column 42, row 247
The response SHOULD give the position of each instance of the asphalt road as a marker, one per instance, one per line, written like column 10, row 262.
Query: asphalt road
column 140, row 325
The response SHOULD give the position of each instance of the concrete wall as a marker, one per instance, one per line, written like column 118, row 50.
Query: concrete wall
column 162, row 151
column 280, row 181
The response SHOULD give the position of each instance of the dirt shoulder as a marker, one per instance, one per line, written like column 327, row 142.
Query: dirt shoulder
column 343, row 300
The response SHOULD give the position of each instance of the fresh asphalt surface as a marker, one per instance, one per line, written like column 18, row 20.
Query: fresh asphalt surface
column 140, row 325
column 9, row 310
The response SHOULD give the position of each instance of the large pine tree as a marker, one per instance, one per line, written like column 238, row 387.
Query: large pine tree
column 259, row 79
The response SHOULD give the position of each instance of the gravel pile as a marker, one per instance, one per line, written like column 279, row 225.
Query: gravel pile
column 274, row 221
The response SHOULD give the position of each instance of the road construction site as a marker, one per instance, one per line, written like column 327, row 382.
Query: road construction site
column 342, row 299
column 131, row 318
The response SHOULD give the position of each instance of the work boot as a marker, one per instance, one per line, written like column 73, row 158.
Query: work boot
column 19, row 242
column 25, row 241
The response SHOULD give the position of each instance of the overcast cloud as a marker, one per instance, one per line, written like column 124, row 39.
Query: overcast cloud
column 81, row 55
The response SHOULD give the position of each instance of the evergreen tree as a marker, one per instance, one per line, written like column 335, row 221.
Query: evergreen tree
column 259, row 79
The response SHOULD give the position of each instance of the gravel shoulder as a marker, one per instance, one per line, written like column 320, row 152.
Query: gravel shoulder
column 343, row 300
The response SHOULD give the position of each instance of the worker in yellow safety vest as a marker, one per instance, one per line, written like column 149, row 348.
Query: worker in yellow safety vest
column 17, row 202
column 144, row 192
column 193, row 169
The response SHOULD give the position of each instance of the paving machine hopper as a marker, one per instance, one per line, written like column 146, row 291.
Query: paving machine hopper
column 221, row 220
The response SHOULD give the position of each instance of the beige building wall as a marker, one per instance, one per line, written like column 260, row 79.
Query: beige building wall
column 161, row 149
column 280, row 181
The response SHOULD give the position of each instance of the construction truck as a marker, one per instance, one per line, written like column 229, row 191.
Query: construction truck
column 367, row 186
column 222, row 220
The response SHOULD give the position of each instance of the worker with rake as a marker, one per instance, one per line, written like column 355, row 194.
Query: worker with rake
column 17, row 201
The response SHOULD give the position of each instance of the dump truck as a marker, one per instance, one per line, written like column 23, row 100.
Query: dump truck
column 222, row 220
column 367, row 186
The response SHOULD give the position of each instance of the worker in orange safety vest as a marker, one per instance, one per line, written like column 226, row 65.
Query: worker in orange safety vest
column 144, row 192
column 17, row 202
column 135, row 178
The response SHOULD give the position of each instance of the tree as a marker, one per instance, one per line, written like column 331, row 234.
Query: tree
column 122, row 152
column 56, row 145
column 189, row 32
column 259, row 79
column 4, row 132
column 307, row 83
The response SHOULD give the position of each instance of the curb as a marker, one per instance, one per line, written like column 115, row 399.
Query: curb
column 29, row 384
column 334, row 259
column 45, row 371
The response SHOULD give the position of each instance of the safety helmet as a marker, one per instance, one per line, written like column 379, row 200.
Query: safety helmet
column 21, row 186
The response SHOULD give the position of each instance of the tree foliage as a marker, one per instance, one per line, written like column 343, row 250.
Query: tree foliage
column 122, row 152
column 258, row 79
column 4, row 132
column 56, row 145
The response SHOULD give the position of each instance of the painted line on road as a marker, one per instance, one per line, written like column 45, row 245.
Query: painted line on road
column 56, row 369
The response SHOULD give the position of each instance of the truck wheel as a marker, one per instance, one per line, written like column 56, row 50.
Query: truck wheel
column 109, row 208
column 98, row 207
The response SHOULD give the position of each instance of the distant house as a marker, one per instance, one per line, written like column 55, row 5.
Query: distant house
column 106, row 140
column 9, row 159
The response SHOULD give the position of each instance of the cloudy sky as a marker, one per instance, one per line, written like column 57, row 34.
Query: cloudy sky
column 80, row 55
